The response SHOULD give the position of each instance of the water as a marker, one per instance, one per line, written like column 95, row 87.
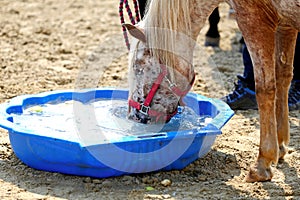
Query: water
column 99, row 121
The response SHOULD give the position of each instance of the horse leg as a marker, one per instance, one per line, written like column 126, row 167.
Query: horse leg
column 285, row 49
column 260, row 39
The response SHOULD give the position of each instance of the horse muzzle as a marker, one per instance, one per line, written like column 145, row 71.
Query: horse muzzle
column 145, row 118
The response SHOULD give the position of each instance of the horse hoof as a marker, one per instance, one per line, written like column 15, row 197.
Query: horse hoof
column 258, row 175
column 282, row 151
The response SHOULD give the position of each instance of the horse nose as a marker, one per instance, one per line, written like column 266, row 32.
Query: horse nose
column 139, row 117
column 143, row 118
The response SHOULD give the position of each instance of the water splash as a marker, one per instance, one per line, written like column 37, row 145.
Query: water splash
column 108, row 116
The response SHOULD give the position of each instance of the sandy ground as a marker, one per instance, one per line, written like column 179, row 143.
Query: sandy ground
column 48, row 45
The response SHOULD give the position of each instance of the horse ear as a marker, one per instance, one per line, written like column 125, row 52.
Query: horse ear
column 136, row 32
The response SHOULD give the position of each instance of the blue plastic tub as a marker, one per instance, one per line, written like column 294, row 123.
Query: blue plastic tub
column 127, row 155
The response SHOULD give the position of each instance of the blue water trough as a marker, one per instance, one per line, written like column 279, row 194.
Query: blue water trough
column 91, row 155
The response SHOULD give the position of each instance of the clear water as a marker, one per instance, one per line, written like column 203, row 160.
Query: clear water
column 99, row 121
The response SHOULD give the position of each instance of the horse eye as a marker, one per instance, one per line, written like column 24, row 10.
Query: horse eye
column 147, row 52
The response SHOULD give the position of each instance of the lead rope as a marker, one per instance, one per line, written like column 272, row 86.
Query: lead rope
column 134, row 20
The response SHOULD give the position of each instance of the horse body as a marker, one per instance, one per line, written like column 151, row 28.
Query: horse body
column 168, row 36
column 289, row 10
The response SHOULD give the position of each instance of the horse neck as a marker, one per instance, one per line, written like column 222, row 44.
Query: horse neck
column 178, row 23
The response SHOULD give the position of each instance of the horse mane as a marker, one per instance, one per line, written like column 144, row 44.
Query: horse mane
column 167, row 19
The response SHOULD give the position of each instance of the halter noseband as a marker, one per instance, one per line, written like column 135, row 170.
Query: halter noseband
column 145, row 109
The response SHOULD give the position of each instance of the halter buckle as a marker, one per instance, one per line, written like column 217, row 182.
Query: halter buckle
column 144, row 109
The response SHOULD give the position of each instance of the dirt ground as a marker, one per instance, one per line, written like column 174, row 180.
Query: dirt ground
column 49, row 45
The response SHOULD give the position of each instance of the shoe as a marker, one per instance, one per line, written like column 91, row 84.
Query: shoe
column 212, row 41
column 242, row 98
column 294, row 96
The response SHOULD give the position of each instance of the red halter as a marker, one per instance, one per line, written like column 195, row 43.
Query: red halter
column 145, row 109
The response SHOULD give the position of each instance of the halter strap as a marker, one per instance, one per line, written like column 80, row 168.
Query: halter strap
column 145, row 109
column 133, row 20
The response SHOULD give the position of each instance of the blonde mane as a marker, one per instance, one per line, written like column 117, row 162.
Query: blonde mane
column 164, row 20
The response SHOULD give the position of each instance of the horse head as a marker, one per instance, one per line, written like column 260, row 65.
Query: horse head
column 156, row 84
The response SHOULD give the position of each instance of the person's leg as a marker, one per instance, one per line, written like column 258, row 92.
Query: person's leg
column 243, row 96
column 248, row 68
column 142, row 7
column 212, row 36
column 213, row 20
column 294, row 92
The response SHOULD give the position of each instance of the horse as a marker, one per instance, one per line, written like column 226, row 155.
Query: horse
column 161, row 70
